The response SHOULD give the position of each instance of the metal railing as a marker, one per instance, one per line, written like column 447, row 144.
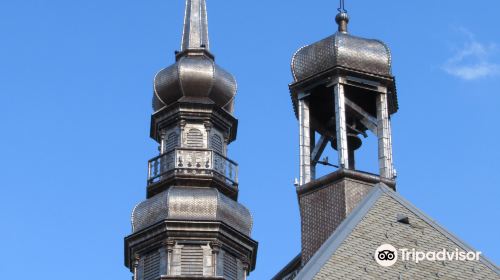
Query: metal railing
column 193, row 162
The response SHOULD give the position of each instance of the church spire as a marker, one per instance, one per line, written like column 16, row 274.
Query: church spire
column 195, row 33
column 191, row 225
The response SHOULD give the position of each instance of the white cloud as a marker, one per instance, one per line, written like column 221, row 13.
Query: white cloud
column 473, row 60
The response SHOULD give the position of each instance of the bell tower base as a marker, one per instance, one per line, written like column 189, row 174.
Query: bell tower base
column 324, row 203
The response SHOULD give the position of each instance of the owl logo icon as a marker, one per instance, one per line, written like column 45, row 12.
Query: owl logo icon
column 386, row 255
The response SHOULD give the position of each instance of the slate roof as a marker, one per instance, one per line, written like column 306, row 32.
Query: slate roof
column 348, row 253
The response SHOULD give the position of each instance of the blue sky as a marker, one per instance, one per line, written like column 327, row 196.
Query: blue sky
column 76, row 87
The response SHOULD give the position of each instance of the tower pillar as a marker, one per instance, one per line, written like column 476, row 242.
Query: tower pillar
column 304, row 140
column 384, row 137
column 341, row 125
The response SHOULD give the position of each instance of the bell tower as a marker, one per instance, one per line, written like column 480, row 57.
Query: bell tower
column 191, row 225
column 343, row 88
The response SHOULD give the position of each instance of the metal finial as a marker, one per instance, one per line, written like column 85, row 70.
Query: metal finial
column 342, row 20
column 195, row 33
column 342, row 9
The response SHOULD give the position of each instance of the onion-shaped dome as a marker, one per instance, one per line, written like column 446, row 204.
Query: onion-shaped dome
column 194, row 204
column 342, row 50
column 348, row 53
column 194, row 76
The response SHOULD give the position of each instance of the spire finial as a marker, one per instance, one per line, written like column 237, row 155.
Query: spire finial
column 195, row 33
column 341, row 8
column 342, row 18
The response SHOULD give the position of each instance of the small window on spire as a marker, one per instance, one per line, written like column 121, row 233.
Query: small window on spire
column 216, row 144
column 192, row 260
column 194, row 138
column 152, row 266
column 230, row 267
column 172, row 141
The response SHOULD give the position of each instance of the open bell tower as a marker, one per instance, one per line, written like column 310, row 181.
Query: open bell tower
column 343, row 88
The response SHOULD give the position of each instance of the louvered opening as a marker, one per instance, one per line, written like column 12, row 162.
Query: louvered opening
column 152, row 266
column 216, row 144
column 194, row 138
column 172, row 141
column 230, row 267
column 192, row 260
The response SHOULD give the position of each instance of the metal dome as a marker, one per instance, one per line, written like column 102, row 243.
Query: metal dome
column 344, row 51
column 194, row 75
column 192, row 203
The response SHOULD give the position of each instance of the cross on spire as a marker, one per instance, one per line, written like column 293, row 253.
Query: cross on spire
column 341, row 8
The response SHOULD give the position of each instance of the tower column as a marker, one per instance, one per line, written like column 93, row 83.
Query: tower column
column 340, row 124
column 384, row 137
column 215, row 254
column 304, row 140
column 136, row 266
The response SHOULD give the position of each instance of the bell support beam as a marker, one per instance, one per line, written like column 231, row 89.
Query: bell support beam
column 366, row 119
column 384, row 138
column 318, row 149
column 304, row 139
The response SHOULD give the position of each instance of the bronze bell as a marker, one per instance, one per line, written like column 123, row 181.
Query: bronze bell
column 353, row 143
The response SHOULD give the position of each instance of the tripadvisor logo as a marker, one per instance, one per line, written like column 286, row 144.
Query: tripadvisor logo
column 387, row 255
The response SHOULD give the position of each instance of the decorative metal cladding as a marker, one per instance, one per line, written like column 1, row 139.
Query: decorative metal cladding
column 340, row 68
column 341, row 131
column 195, row 74
column 193, row 162
column 323, row 210
column 344, row 50
column 384, row 138
column 224, row 89
column 192, row 203
column 304, row 142
column 187, row 222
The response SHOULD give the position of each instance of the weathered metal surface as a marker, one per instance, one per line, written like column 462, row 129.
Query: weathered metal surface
column 192, row 216
column 195, row 74
column 191, row 203
column 342, row 49
column 340, row 124
column 384, row 138
column 304, row 142
column 195, row 31
column 323, row 208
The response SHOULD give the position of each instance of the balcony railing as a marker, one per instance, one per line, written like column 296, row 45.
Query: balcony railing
column 192, row 162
